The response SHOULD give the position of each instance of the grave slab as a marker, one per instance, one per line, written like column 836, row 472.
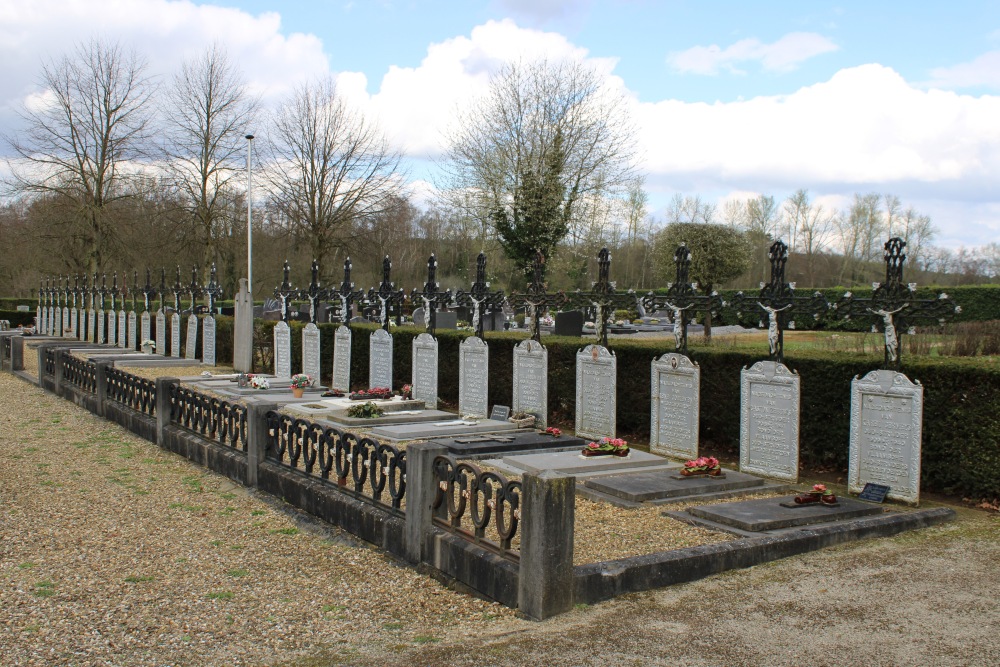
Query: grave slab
column 642, row 487
column 442, row 429
column 473, row 446
column 574, row 463
column 759, row 516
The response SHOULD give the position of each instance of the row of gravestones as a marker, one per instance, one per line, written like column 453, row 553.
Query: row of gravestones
column 127, row 330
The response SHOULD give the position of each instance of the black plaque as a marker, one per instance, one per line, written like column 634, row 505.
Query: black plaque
column 500, row 412
column 873, row 492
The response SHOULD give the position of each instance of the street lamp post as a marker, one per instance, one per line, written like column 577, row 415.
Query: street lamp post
column 249, row 139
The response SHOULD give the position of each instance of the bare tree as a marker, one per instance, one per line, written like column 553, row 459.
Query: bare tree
column 78, row 140
column 861, row 230
column 548, row 138
column 918, row 232
column 330, row 167
column 813, row 227
column 208, row 113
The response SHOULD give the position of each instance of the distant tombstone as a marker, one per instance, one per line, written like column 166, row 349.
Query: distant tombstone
column 596, row 400
column 51, row 324
column 161, row 333
column 121, row 328
column 57, row 326
column 112, row 326
column 92, row 325
column 418, row 317
column 446, row 319
column 74, row 323
column 531, row 381
column 380, row 359
column 569, row 323
column 886, row 434
column 675, row 388
column 191, row 344
column 310, row 351
column 175, row 335
column 243, row 329
column 101, row 320
column 131, row 344
column 282, row 351
column 81, row 321
column 500, row 413
column 473, row 377
column 38, row 319
column 65, row 321
column 144, row 333
column 208, row 341
column 769, row 421
column 425, row 370
column 342, row 359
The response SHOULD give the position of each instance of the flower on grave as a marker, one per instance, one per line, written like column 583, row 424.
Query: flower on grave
column 701, row 464
column 821, row 489
column 608, row 444
column 547, row 320
column 619, row 323
column 553, row 431
column 259, row 382
column 300, row 381
column 407, row 390
column 588, row 324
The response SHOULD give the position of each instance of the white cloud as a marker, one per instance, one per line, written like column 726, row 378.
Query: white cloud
column 780, row 56
column 982, row 71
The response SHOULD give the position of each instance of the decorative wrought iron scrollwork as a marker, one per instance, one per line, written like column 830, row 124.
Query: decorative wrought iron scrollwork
column 360, row 466
column 210, row 417
column 488, row 497
column 132, row 391
column 79, row 373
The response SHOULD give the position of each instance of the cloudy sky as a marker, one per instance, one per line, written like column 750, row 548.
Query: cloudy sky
column 731, row 98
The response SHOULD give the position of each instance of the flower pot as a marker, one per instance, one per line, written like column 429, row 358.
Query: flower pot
column 705, row 472
column 808, row 498
column 297, row 392
column 623, row 451
column 829, row 499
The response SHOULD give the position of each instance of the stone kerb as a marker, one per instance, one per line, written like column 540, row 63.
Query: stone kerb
column 421, row 489
column 256, row 437
column 548, row 514
column 163, row 386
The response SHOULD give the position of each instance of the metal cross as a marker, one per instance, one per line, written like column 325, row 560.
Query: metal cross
column 345, row 293
column 534, row 298
column 682, row 298
column 213, row 290
column 147, row 292
column 135, row 287
column 163, row 286
column 314, row 293
column 284, row 292
column 602, row 296
column 386, row 295
column 103, row 291
column 431, row 295
column 195, row 288
column 893, row 307
column 479, row 296
column 114, row 290
column 777, row 298
column 76, row 288
column 177, row 289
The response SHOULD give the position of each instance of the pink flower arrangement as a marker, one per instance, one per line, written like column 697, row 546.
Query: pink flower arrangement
column 606, row 446
column 553, row 431
column 703, row 465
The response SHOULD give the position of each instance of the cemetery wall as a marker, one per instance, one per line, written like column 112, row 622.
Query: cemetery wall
column 142, row 425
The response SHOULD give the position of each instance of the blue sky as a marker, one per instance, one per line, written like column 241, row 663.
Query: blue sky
column 731, row 99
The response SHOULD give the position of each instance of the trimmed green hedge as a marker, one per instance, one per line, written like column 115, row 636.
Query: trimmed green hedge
column 17, row 317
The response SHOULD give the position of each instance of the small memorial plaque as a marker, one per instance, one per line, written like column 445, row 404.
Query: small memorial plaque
column 121, row 328
column 886, row 424
column 282, row 351
column 769, row 421
column 161, row 333
column 473, row 377
column 500, row 413
column 208, row 341
column 131, row 344
column 675, row 390
column 872, row 492
column 175, row 335
column 531, row 381
column 425, row 370
column 191, row 344
column 596, row 384
column 310, row 351
column 342, row 359
column 380, row 359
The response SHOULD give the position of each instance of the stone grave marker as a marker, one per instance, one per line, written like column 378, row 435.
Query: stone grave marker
column 208, row 341
column 425, row 370
column 531, row 381
column 92, row 325
column 886, row 434
column 473, row 378
column 175, row 335
column 81, row 321
column 132, row 342
column 161, row 333
column 675, row 390
column 121, row 328
column 310, row 351
column 112, row 326
column 243, row 329
column 282, row 351
column 38, row 318
column 51, row 330
column 769, row 421
column 144, row 327
column 596, row 383
column 101, row 320
column 380, row 359
column 192, row 337
column 500, row 412
column 74, row 323
column 342, row 359
column 65, row 321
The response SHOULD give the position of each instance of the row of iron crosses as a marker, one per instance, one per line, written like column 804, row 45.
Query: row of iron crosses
column 893, row 306
column 62, row 294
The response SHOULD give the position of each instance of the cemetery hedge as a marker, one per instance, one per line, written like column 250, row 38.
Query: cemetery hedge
column 16, row 317
column 961, row 439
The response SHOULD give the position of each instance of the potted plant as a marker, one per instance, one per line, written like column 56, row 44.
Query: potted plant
column 259, row 382
column 365, row 411
column 703, row 466
column 299, row 382
column 818, row 494
column 607, row 447
column 551, row 430
column 406, row 392
column 522, row 419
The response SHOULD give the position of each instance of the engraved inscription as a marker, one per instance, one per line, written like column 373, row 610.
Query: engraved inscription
column 425, row 370
column 342, row 359
column 175, row 335
column 769, row 424
column 473, row 381
column 192, row 337
column 161, row 333
column 595, row 392
column 132, row 332
column 531, row 381
column 121, row 328
column 380, row 360
column 282, row 351
column 311, row 351
column 208, row 341
column 675, row 392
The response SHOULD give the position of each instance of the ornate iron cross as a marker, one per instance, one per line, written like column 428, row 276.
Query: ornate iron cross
column 534, row 298
column 893, row 307
column 285, row 292
column 314, row 293
column 682, row 298
column 177, row 289
column 431, row 295
column 195, row 288
column 777, row 298
column 103, row 291
column 479, row 296
column 385, row 296
column 163, row 286
column 213, row 290
column 114, row 289
column 135, row 287
column 76, row 288
column 147, row 292
column 602, row 296
column 346, row 293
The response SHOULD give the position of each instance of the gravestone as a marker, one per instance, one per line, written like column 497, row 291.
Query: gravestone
column 380, row 359
column 446, row 319
column 161, row 333
column 175, row 335
column 131, row 344
column 418, row 318
column 81, row 322
column 886, row 434
column 121, row 328
column 144, row 333
column 425, row 370
column 74, row 323
column 568, row 323
column 310, row 351
column 769, row 421
column 243, row 329
column 531, row 381
column 596, row 380
column 101, row 320
column 191, row 344
column 208, row 341
column 51, row 326
column 675, row 390
column 473, row 377
column 282, row 351
column 65, row 321
column 342, row 359
column 38, row 319
column 112, row 326
column 92, row 325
